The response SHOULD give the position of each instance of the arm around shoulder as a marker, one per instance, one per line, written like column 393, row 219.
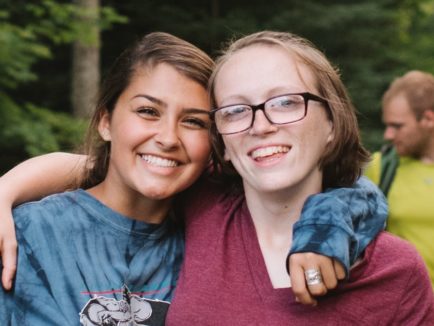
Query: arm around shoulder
column 341, row 222
column 30, row 180
column 41, row 176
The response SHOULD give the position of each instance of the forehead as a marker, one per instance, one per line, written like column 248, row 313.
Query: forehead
column 397, row 108
column 261, row 71
column 164, row 82
column 158, row 76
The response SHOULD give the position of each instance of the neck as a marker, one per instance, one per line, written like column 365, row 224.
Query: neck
column 274, row 214
column 427, row 156
column 131, row 203
column 427, row 151
column 278, row 210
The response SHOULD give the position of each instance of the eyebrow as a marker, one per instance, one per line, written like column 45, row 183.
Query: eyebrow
column 151, row 98
column 273, row 92
column 164, row 104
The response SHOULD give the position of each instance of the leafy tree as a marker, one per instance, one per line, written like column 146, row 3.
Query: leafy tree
column 28, row 32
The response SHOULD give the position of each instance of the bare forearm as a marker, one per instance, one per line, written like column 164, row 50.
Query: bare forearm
column 41, row 176
column 31, row 180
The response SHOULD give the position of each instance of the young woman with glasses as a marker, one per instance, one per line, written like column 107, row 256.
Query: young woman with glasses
column 285, row 130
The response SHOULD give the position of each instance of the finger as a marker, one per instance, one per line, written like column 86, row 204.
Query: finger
column 315, row 284
column 299, row 287
column 328, row 274
column 317, row 290
column 9, row 258
column 339, row 269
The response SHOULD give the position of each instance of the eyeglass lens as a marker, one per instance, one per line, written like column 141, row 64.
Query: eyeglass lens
column 279, row 110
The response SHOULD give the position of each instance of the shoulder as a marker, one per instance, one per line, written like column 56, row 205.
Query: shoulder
column 210, row 198
column 392, row 274
column 400, row 273
column 50, row 207
column 391, row 256
column 387, row 244
column 49, row 202
column 373, row 169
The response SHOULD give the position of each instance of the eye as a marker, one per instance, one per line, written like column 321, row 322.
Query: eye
column 148, row 112
column 235, row 112
column 287, row 102
column 196, row 123
column 396, row 126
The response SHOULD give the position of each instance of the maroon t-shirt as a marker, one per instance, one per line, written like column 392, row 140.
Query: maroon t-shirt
column 224, row 280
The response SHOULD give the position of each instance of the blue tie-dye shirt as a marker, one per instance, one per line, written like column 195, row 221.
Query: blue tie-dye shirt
column 81, row 262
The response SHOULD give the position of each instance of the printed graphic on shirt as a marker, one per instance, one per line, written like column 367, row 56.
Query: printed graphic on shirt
column 131, row 310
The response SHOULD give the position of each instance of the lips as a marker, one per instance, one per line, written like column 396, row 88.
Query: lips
column 159, row 161
column 268, row 151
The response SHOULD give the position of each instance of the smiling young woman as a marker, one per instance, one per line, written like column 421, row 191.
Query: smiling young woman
column 279, row 166
column 108, row 253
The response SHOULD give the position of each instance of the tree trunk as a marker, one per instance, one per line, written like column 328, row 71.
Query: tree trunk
column 86, row 60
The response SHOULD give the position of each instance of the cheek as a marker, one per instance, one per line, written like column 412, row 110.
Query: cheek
column 414, row 129
column 230, row 148
column 323, row 127
column 405, row 135
column 315, row 139
column 198, row 147
column 128, row 138
column 128, row 128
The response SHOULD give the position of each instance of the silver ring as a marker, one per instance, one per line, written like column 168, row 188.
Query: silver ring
column 313, row 276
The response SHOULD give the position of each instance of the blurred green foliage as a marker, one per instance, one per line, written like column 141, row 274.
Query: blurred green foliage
column 29, row 130
column 28, row 32
column 370, row 41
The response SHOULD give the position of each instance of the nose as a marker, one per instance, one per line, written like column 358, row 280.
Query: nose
column 389, row 134
column 261, row 125
column 167, row 136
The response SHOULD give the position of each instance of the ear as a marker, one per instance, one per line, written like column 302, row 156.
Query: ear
column 104, row 126
column 331, row 134
column 428, row 117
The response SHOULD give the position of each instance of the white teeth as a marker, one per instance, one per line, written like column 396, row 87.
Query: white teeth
column 158, row 161
column 268, row 151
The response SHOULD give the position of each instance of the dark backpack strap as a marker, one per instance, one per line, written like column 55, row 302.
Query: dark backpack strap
column 389, row 164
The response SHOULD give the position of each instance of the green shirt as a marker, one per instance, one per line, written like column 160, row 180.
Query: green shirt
column 411, row 204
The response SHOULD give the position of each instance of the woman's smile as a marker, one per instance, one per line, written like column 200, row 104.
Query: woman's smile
column 159, row 161
column 268, row 152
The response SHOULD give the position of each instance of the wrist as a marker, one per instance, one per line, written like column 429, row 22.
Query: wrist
column 8, row 198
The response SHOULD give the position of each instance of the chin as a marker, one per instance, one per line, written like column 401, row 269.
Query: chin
column 277, row 185
column 156, row 194
column 158, row 197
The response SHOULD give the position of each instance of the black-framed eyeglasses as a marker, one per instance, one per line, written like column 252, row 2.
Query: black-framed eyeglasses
column 279, row 110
